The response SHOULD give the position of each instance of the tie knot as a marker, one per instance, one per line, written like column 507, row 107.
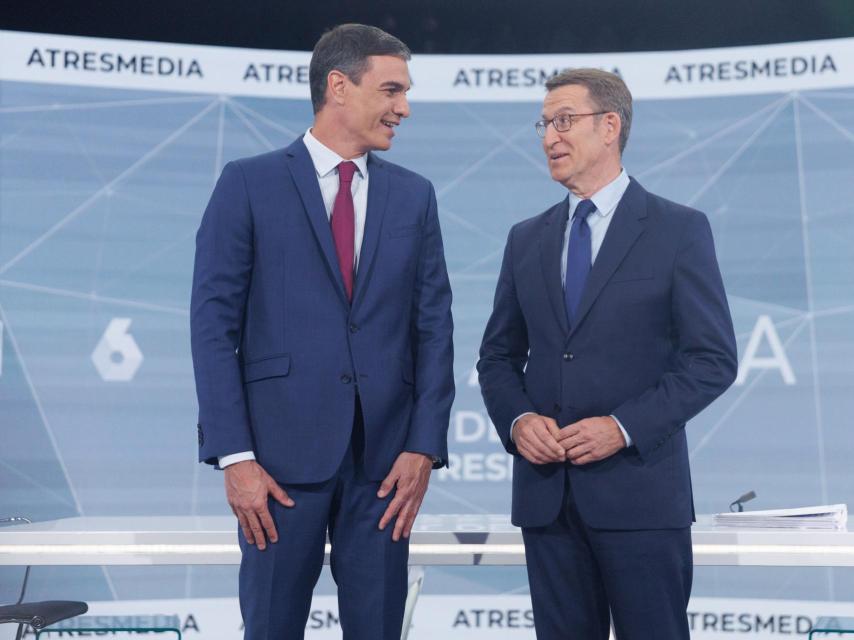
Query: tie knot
column 346, row 171
column 584, row 209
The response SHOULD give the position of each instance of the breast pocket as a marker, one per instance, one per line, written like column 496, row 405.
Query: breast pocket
column 630, row 277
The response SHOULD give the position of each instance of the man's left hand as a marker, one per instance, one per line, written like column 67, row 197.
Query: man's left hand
column 410, row 474
column 591, row 439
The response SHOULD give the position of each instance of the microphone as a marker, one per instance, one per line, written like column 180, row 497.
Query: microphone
column 738, row 503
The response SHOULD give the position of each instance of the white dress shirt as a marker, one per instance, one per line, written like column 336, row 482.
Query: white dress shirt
column 326, row 162
column 606, row 201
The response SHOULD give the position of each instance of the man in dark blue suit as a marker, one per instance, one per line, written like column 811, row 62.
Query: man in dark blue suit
column 321, row 338
column 610, row 330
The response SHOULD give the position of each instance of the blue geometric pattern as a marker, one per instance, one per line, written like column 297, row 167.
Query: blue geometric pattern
column 101, row 192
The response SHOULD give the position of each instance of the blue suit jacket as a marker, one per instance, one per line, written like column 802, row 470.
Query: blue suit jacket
column 653, row 345
column 280, row 354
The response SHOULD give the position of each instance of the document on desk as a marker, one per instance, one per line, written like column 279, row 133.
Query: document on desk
column 828, row 516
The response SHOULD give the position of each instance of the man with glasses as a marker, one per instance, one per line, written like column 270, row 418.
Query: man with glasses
column 610, row 330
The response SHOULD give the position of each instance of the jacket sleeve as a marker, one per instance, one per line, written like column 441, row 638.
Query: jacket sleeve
column 432, row 328
column 503, row 355
column 704, row 364
column 221, row 279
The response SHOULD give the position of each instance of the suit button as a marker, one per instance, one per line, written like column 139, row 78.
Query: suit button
column 346, row 379
column 353, row 328
column 568, row 356
column 556, row 408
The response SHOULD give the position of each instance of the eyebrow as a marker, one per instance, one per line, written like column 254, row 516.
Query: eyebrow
column 391, row 84
column 568, row 110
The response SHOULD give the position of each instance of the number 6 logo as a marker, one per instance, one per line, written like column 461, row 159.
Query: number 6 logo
column 117, row 356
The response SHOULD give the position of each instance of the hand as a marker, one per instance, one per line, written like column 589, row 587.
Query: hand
column 535, row 437
column 247, row 486
column 410, row 473
column 591, row 439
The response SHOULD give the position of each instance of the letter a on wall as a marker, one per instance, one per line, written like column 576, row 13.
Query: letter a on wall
column 765, row 329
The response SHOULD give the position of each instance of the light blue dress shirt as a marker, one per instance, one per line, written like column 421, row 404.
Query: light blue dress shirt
column 606, row 201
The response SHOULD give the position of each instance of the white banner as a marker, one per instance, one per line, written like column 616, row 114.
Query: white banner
column 463, row 617
column 126, row 64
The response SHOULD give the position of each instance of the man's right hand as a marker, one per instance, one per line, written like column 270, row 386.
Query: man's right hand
column 247, row 487
column 535, row 437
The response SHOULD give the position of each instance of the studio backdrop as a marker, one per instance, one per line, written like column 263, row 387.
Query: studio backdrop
column 109, row 151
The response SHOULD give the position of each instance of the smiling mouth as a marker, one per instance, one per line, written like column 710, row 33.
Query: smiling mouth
column 389, row 123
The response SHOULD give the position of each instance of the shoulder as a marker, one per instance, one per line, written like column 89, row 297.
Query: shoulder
column 678, row 218
column 673, row 211
column 256, row 174
column 270, row 160
column 532, row 226
column 681, row 224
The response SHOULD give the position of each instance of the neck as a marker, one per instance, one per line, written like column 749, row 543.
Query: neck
column 331, row 134
column 586, row 186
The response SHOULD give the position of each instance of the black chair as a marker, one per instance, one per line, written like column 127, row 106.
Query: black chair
column 37, row 615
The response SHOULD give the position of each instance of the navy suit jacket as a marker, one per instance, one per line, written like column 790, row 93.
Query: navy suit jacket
column 280, row 353
column 653, row 344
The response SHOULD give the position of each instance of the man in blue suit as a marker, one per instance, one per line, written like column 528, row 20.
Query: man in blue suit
column 610, row 330
column 321, row 338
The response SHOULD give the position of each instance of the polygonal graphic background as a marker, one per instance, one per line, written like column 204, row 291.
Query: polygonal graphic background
column 101, row 192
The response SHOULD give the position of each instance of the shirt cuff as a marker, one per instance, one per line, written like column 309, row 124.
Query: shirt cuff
column 623, row 429
column 513, row 424
column 233, row 458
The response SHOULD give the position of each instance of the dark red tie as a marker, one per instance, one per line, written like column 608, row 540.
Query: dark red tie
column 344, row 224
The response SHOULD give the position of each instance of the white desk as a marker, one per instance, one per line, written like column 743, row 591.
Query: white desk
column 436, row 540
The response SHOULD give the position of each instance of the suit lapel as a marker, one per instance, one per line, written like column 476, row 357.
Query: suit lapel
column 305, row 178
column 623, row 232
column 551, row 245
column 378, row 186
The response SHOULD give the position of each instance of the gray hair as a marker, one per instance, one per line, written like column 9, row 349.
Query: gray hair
column 607, row 91
column 346, row 48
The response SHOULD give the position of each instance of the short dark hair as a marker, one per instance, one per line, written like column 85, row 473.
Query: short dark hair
column 607, row 91
column 346, row 48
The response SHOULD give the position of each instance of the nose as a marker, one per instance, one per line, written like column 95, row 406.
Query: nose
column 552, row 136
column 401, row 107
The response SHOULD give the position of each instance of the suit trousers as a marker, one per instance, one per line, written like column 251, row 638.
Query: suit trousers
column 369, row 569
column 579, row 575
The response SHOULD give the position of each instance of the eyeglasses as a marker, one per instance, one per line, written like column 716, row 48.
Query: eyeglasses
column 562, row 122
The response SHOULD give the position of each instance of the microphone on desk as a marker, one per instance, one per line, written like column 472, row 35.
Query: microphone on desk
column 738, row 503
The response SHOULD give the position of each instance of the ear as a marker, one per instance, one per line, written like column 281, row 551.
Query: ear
column 336, row 83
column 611, row 125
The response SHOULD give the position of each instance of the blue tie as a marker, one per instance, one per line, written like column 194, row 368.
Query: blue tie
column 578, row 258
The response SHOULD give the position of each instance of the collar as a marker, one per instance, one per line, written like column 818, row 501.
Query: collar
column 606, row 199
column 325, row 160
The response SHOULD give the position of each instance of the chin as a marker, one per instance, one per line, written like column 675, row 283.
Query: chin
column 557, row 176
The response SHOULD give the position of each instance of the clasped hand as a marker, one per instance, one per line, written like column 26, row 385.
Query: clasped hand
column 540, row 440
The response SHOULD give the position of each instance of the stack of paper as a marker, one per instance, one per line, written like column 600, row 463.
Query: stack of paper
column 829, row 516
